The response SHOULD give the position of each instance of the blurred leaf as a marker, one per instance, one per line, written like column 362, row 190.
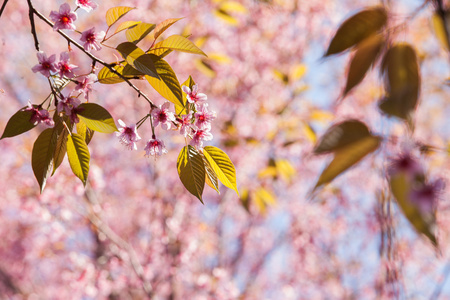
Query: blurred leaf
column 297, row 72
column 402, row 81
column 78, row 155
column 233, row 7
column 309, row 133
column 226, row 17
column 263, row 198
column 341, row 135
column 178, row 43
column 163, row 26
column 115, row 13
column 401, row 189
column 205, row 68
column 365, row 56
column 42, row 155
column 137, row 58
column 220, row 58
column 285, row 169
column 19, row 123
column 96, row 118
column 191, row 171
column 126, row 25
column 245, row 199
column 281, row 76
column 357, row 28
column 222, row 166
column 167, row 85
column 85, row 132
column 347, row 156
column 137, row 33
column 441, row 26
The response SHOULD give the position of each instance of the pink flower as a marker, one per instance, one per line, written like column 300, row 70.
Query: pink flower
column 92, row 39
column 155, row 147
column 67, row 104
column 85, row 86
column 199, row 136
column 64, row 66
column 46, row 65
column 74, row 114
column 203, row 117
column 39, row 115
column 425, row 197
column 406, row 164
column 64, row 19
column 128, row 135
column 163, row 115
column 193, row 96
column 87, row 5
column 185, row 124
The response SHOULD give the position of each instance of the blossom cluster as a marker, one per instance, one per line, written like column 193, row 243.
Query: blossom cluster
column 194, row 124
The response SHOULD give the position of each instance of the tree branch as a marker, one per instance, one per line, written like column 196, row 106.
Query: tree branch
column 33, row 27
column 3, row 7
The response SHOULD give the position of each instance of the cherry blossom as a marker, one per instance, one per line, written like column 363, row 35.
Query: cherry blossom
column 85, row 85
column 406, row 164
column 46, row 65
column 87, row 5
column 65, row 67
column 64, row 19
column 203, row 117
column 199, row 136
column 128, row 135
column 92, row 39
column 193, row 96
column 67, row 103
column 425, row 196
column 155, row 147
column 185, row 124
column 39, row 115
column 163, row 115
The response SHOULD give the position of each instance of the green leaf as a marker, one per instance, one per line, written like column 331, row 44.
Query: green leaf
column 347, row 156
column 85, row 132
column 19, row 123
column 78, row 154
column 126, row 25
column 163, row 26
column 137, row 33
column 106, row 76
column 167, row 85
column 357, row 28
column 402, row 81
column 191, row 171
column 96, row 118
column 222, row 166
column 60, row 149
column 211, row 176
column 42, row 155
column 341, row 135
column 178, row 43
column 158, row 51
column 115, row 13
column 365, row 56
column 137, row 58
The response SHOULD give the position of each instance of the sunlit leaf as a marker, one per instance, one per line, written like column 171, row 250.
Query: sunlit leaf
column 220, row 58
column 19, row 123
column 222, row 166
column 357, row 28
column 163, row 26
column 85, row 132
column 126, row 25
column 158, row 51
column 191, row 171
column 178, row 43
column 226, row 17
column 137, row 58
column 167, row 85
column 365, row 56
column 60, row 149
column 211, row 177
column 42, row 155
column 78, row 155
column 96, row 118
column 138, row 32
column 285, row 169
column 233, row 7
column 262, row 199
column 441, row 25
column 115, row 13
column 106, row 76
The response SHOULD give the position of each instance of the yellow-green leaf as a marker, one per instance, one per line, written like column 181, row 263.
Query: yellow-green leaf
column 222, row 166
column 96, row 118
column 115, row 13
column 167, row 85
column 191, row 171
column 263, row 198
column 42, row 155
column 19, row 123
column 85, row 132
column 78, row 155
column 357, row 28
column 137, row 58
column 211, row 177
column 233, row 7
column 60, row 149
column 126, row 25
column 226, row 17
column 158, row 51
column 178, row 43
column 137, row 33
column 441, row 25
column 161, row 27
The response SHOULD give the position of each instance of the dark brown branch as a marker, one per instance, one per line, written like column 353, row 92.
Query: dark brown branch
column 3, row 7
column 33, row 27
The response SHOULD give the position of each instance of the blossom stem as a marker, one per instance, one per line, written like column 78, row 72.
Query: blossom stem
column 141, row 121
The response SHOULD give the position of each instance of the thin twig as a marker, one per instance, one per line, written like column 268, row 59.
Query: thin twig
column 3, row 7
column 93, row 57
column 33, row 27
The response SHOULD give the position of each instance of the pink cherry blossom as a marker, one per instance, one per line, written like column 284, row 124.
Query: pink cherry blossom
column 74, row 114
column 67, row 103
column 39, row 115
column 92, row 39
column 193, row 96
column 64, row 19
column 203, row 117
column 87, row 5
column 185, row 124
column 163, row 115
column 46, row 65
column 199, row 136
column 406, row 164
column 425, row 197
column 85, row 85
column 65, row 67
column 128, row 135
column 155, row 147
